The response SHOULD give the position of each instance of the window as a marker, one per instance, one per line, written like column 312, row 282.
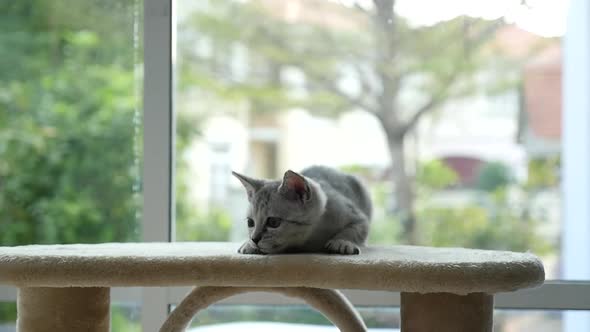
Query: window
column 70, row 122
column 453, row 121
column 452, row 117
column 260, row 86
column 225, row 317
column 70, row 125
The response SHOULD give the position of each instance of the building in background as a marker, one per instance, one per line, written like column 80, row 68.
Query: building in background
column 540, row 118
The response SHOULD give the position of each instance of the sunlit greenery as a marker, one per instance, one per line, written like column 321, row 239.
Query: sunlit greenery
column 475, row 218
column 7, row 312
column 493, row 175
column 125, row 319
column 70, row 124
column 543, row 173
column 373, row 317
column 435, row 174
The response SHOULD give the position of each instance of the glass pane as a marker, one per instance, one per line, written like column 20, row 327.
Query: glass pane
column 70, row 121
column 284, row 318
column 525, row 320
column 124, row 317
column 220, row 318
column 451, row 116
column 7, row 317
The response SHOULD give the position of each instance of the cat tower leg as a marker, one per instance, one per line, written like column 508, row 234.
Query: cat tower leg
column 445, row 312
column 72, row 309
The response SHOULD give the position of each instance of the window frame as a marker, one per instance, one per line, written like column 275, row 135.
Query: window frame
column 158, row 175
column 159, row 132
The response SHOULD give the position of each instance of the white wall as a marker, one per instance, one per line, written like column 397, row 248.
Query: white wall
column 354, row 138
column 480, row 126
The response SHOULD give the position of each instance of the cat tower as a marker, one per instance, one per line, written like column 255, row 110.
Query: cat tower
column 67, row 287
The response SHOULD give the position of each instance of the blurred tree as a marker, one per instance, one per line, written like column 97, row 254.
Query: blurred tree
column 366, row 43
column 69, row 121
column 499, row 225
column 493, row 175
column 70, row 124
column 543, row 173
column 125, row 319
column 214, row 225
column 436, row 175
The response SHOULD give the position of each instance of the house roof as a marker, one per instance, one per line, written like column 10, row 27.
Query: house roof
column 315, row 12
column 516, row 42
column 466, row 167
column 542, row 93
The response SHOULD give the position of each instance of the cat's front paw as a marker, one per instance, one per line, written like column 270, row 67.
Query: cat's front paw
column 248, row 249
column 343, row 247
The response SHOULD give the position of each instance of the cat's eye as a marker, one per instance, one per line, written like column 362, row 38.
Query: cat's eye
column 250, row 222
column 273, row 222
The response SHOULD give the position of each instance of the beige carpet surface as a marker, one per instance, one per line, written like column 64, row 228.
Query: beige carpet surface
column 395, row 268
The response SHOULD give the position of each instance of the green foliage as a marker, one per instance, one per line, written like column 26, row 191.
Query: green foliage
column 125, row 319
column 543, row 173
column 493, row 175
column 444, row 226
column 69, row 149
column 436, row 174
column 70, row 127
column 497, row 225
column 271, row 44
column 291, row 314
column 385, row 227
column 326, row 53
column 485, row 220
column 195, row 225
column 7, row 312
column 358, row 170
column 385, row 230
column 297, row 314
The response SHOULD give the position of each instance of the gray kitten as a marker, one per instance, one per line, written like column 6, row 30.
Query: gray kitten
column 319, row 210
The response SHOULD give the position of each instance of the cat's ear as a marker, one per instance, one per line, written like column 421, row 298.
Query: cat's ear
column 251, row 185
column 295, row 186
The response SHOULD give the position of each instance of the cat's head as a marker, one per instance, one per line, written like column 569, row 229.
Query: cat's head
column 281, row 213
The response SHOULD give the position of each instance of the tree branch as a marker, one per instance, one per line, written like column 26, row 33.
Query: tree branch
column 427, row 107
column 439, row 97
column 435, row 100
column 330, row 86
column 363, row 75
column 356, row 5
column 327, row 83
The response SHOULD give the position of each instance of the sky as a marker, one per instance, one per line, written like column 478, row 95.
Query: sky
column 543, row 17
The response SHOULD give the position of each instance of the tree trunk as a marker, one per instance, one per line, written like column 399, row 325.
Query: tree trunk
column 403, row 187
column 387, row 113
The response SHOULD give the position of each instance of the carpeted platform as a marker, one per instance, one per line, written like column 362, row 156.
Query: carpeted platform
column 67, row 287
column 396, row 268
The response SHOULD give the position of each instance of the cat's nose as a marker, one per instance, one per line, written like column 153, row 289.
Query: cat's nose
column 256, row 239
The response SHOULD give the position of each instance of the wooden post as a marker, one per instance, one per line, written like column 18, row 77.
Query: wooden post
column 445, row 312
column 73, row 309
